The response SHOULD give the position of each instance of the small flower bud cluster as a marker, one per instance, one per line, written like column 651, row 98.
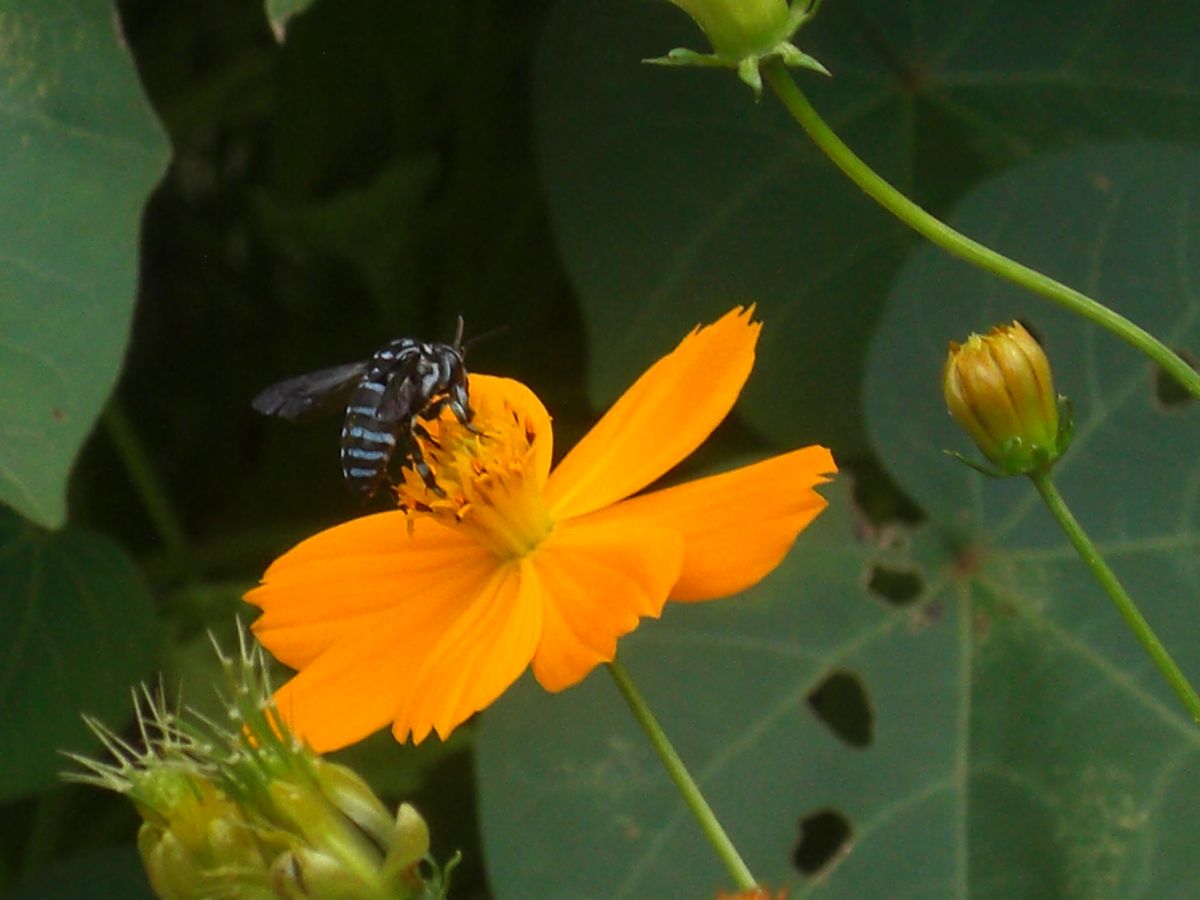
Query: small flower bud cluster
column 999, row 388
column 251, row 812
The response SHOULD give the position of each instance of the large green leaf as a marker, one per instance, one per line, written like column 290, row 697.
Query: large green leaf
column 674, row 196
column 575, row 804
column 1073, row 735
column 77, row 631
column 79, row 150
column 1012, row 739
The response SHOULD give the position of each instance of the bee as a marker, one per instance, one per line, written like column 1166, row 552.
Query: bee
column 405, row 380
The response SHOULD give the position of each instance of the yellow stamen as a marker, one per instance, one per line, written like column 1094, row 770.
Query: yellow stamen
column 486, row 477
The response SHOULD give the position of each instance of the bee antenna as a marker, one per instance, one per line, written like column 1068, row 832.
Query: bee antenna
column 458, row 335
column 487, row 335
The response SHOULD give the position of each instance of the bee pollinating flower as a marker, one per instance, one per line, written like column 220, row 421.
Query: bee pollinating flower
column 423, row 615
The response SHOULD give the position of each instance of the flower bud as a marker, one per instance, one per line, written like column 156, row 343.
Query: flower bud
column 192, row 831
column 998, row 387
column 250, row 811
column 409, row 845
column 739, row 28
column 745, row 34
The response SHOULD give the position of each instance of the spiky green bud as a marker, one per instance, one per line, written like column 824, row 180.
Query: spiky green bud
column 251, row 812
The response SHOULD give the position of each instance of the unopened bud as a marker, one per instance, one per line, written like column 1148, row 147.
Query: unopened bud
column 999, row 388
column 409, row 845
column 191, row 830
column 744, row 34
column 251, row 812
column 355, row 800
column 739, row 28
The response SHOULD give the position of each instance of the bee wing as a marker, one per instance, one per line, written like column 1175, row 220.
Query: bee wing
column 397, row 400
column 308, row 396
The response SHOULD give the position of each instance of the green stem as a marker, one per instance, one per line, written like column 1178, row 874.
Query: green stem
column 1125, row 606
column 958, row 244
column 683, row 780
column 147, row 484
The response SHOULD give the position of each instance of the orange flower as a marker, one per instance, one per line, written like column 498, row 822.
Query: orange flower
column 426, row 614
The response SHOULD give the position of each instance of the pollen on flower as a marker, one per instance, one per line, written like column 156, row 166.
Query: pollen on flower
column 484, row 478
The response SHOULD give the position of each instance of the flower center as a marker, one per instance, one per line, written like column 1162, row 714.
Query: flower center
column 482, row 479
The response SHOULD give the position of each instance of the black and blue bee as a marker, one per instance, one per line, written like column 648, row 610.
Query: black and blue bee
column 405, row 380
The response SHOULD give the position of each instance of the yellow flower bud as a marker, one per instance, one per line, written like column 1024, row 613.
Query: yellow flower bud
column 999, row 388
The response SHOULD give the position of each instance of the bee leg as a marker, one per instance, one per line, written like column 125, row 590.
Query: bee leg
column 420, row 431
column 463, row 414
column 422, row 468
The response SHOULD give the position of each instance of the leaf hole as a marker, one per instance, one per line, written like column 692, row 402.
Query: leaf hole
column 842, row 704
column 1169, row 393
column 894, row 585
column 824, row 841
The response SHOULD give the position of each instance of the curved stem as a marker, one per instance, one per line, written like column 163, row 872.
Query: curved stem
column 1125, row 606
column 148, row 485
column 954, row 242
column 683, row 780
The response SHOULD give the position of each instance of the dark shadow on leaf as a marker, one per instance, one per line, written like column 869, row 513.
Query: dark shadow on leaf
column 1170, row 395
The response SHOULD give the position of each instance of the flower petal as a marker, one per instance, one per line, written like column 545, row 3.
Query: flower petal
column 474, row 658
column 736, row 526
column 351, row 690
column 341, row 580
column 662, row 418
column 428, row 662
column 598, row 577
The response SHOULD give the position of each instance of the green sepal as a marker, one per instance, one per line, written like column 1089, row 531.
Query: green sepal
column 747, row 67
column 748, row 72
column 795, row 58
column 682, row 56
column 1066, row 425
column 982, row 468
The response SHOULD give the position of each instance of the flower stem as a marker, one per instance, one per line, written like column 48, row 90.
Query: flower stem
column 954, row 242
column 1125, row 606
column 148, row 485
column 683, row 780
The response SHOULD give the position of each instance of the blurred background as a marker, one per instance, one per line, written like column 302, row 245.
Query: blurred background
column 316, row 184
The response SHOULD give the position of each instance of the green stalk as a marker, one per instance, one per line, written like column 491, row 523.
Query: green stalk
column 148, row 485
column 779, row 78
column 1125, row 606
column 695, row 801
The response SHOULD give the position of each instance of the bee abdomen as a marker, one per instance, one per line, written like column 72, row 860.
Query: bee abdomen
column 367, row 444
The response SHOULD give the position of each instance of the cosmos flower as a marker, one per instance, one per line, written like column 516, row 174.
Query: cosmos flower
column 421, row 616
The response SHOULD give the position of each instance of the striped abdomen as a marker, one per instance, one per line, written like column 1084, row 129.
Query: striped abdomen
column 367, row 443
column 374, row 424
